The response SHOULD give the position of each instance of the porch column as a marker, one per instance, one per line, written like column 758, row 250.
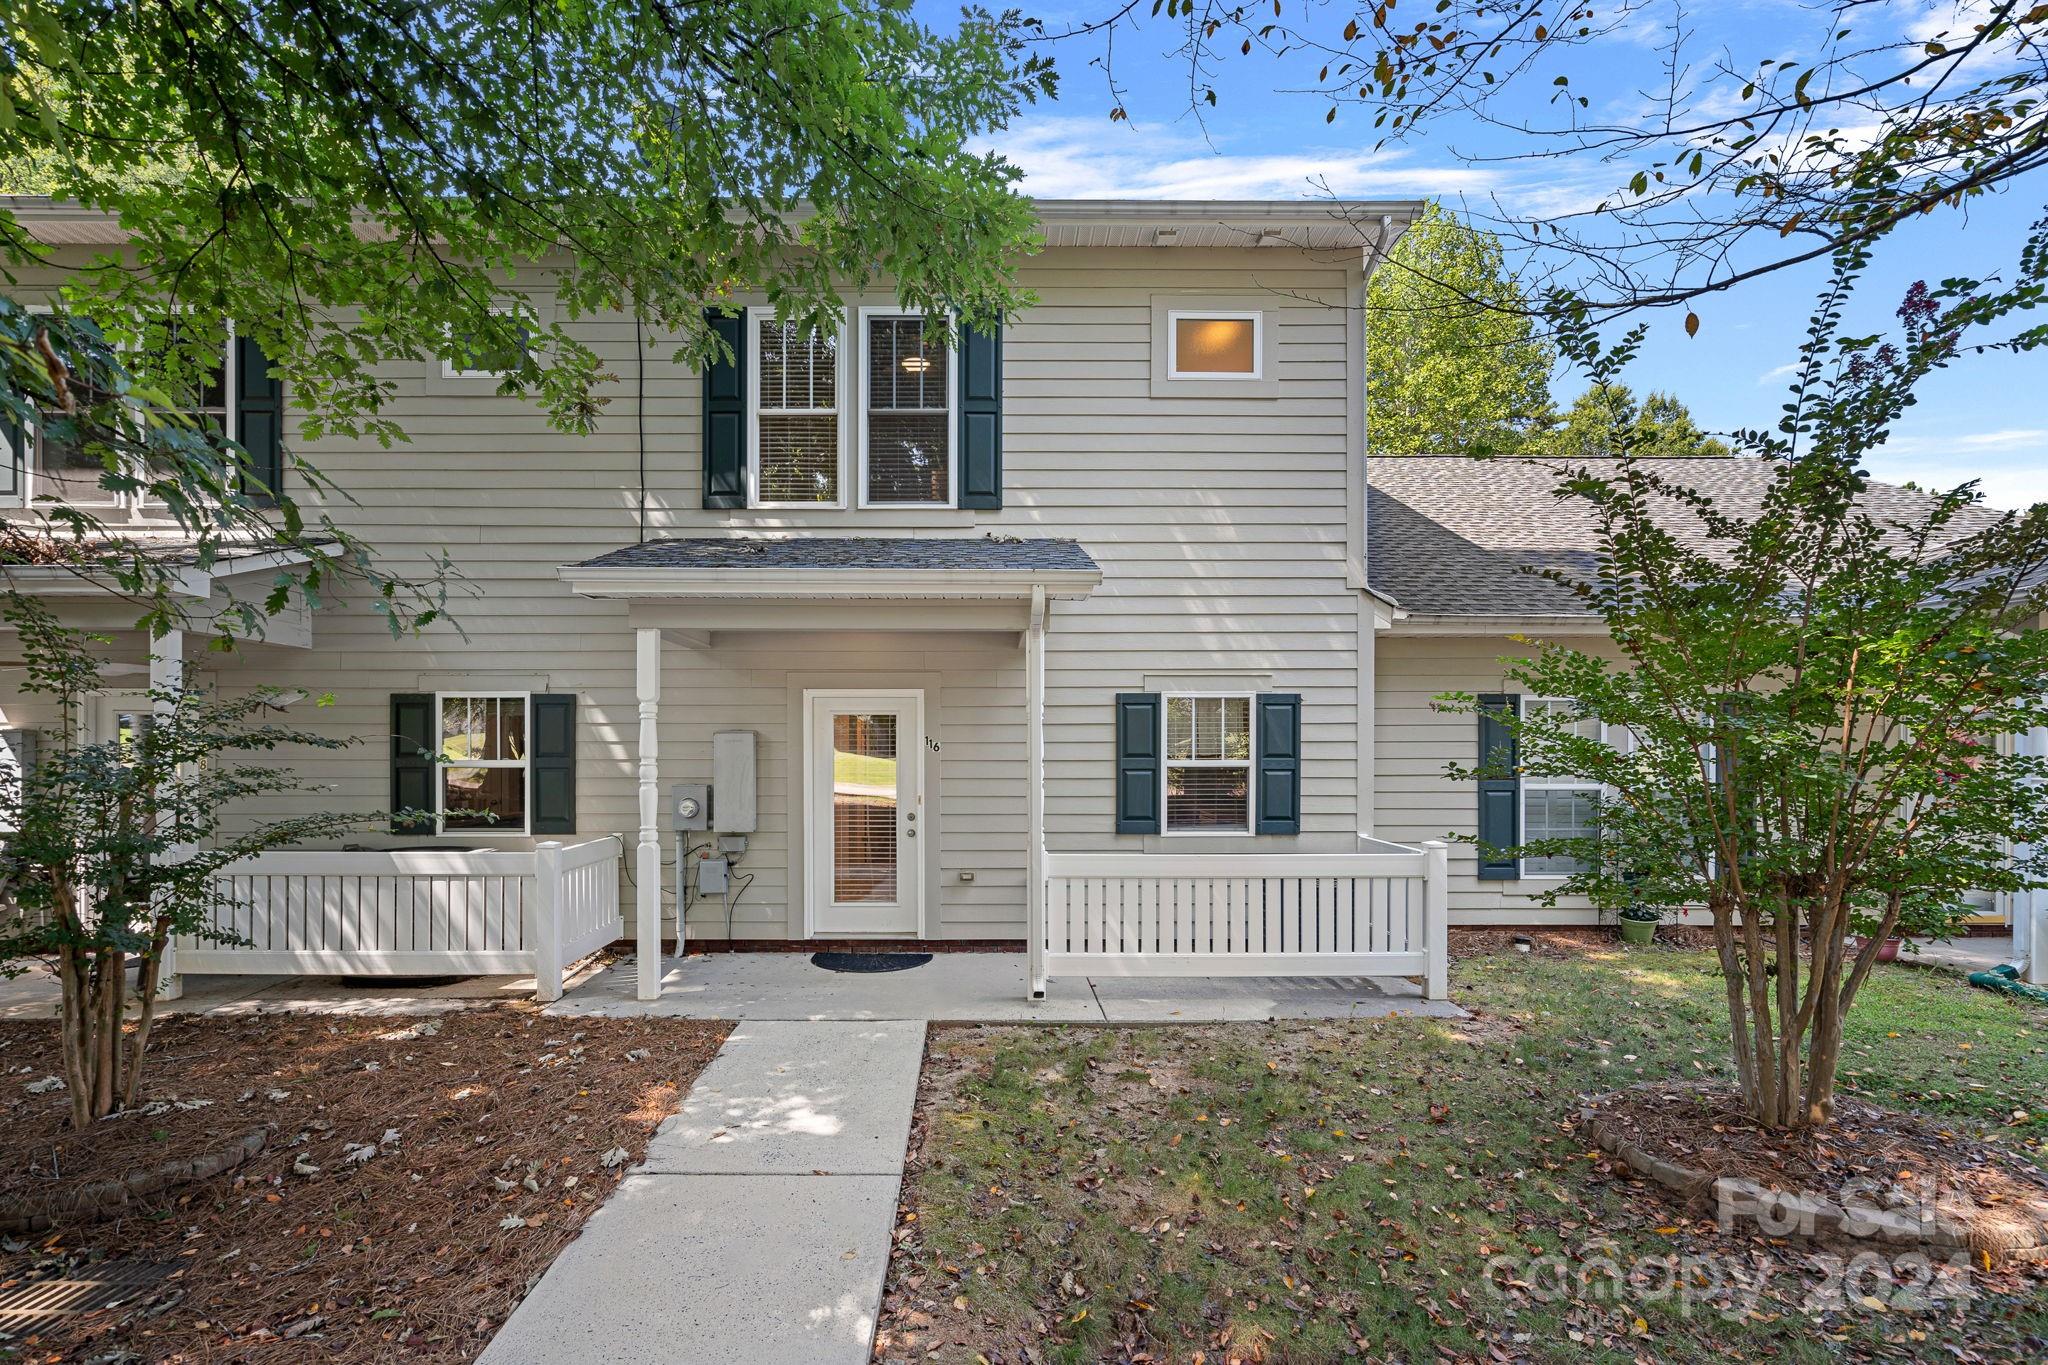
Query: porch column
column 2030, row 907
column 166, row 678
column 647, row 870
column 1034, row 796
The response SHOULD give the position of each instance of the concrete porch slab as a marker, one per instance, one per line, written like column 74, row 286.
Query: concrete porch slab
column 981, row 988
column 767, row 1269
column 790, row 1098
column 1225, row 999
column 976, row 986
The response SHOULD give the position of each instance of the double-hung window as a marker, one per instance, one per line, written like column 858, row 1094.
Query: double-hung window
column 484, row 777
column 906, row 411
column 795, row 428
column 1208, row 787
column 1563, row 807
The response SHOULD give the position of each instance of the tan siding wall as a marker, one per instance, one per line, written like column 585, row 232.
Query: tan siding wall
column 1414, row 798
column 1220, row 525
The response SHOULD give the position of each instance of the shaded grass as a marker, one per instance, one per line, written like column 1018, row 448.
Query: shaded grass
column 1308, row 1192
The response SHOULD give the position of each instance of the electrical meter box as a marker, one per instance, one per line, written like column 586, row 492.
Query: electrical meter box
column 689, row 806
column 732, row 779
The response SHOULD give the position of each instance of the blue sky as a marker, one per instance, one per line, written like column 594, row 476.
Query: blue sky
column 1986, row 420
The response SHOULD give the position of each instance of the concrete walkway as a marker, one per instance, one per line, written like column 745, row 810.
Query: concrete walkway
column 758, row 1227
column 980, row 988
column 1977, row 953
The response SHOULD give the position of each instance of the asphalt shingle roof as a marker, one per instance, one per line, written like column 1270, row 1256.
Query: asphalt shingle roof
column 1007, row 554
column 1450, row 536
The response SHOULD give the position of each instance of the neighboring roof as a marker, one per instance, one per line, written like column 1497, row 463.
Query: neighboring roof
column 988, row 553
column 989, row 566
column 1315, row 224
column 1452, row 536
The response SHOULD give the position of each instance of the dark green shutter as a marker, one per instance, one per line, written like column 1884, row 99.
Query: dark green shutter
column 13, row 457
column 1278, row 761
column 1137, row 762
column 1500, row 790
column 981, row 418
column 725, row 416
column 259, row 416
column 412, row 759
column 554, row 763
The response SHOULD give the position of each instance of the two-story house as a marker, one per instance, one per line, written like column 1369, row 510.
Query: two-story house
column 1062, row 634
column 1136, row 512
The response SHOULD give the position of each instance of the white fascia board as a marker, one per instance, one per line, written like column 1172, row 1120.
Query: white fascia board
column 1416, row 623
column 825, row 583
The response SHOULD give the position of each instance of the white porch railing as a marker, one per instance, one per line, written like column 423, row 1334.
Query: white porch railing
column 1346, row 914
column 415, row 913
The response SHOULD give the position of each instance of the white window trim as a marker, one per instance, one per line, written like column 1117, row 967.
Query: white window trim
column 755, row 316
column 136, row 506
column 1255, row 317
column 499, row 830
column 448, row 368
column 1551, row 784
column 860, row 409
column 1249, row 763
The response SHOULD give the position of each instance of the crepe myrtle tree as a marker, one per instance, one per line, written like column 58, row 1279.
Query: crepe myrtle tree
column 1803, row 733
column 115, row 845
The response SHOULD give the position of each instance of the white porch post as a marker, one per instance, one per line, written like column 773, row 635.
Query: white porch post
column 1436, row 918
column 167, row 676
column 1034, row 797
column 647, row 869
column 2030, row 907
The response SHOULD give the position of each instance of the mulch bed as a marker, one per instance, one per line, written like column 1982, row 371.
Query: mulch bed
column 1879, row 1158
column 1568, row 942
column 419, row 1175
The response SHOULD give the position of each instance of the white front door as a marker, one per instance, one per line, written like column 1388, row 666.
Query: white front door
column 111, row 717
column 866, row 801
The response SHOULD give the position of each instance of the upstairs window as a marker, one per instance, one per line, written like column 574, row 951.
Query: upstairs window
column 1203, row 345
column 484, row 764
column 1208, row 765
column 795, row 427
column 906, row 412
column 468, row 355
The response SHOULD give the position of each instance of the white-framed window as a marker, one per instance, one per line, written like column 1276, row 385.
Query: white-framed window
column 908, row 387
column 483, row 781
column 796, row 442
column 1208, row 786
column 69, row 468
column 1563, row 807
column 468, row 358
column 1204, row 344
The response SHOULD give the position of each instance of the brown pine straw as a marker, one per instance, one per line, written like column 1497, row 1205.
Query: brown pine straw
column 401, row 1256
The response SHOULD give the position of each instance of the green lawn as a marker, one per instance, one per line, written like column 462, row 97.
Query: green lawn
column 1308, row 1192
column 863, row 771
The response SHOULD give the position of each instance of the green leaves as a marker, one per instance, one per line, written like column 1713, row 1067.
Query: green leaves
column 354, row 185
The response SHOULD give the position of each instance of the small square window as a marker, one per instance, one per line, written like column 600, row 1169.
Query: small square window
column 487, row 357
column 1213, row 346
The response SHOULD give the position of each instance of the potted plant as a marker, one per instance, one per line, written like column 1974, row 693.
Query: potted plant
column 1639, row 924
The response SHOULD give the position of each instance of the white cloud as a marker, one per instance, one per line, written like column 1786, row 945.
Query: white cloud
column 2010, row 464
column 1071, row 158
column 1781, row 372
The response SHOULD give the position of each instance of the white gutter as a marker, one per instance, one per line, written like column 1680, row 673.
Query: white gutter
column 833, row 583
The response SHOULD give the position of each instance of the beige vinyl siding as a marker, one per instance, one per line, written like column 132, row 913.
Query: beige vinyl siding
column 1414, row 798
column 1222, row 526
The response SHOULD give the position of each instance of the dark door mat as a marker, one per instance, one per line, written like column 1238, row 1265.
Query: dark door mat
column 869, row 962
